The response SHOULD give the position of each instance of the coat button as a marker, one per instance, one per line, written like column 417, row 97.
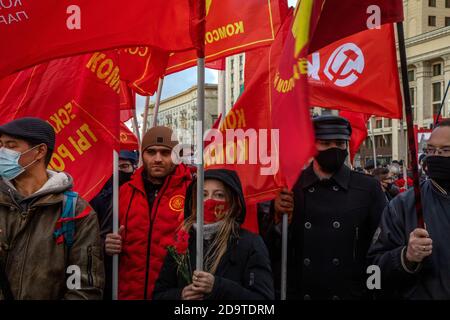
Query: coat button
column 335, row 298
column 306, row 262
column 336, row 261
column 308, row 225
column 336, row 225
column 306, row 297
column 335, row 188
column 311, row 190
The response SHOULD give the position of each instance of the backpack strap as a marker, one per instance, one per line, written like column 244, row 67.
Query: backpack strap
column 65, row 226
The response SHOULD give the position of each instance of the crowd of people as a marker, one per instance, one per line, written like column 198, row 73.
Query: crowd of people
column 54, row 245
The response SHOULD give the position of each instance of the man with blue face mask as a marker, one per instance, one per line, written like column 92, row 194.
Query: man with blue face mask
column 43, row 255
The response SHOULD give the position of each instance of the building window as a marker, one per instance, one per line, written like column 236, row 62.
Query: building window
column 378, row 123
column 436, row 94
column 411, row 75
column 447, row 21
column 447, row 3
column 241, row 60
column 432, row 21
column 437, row 69
column 432, row 3
column 387, row 123
column 241, row 75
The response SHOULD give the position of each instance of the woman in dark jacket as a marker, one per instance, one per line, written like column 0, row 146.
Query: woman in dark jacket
column 236, row 262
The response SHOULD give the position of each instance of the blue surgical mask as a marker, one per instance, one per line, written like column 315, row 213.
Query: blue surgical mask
column 9, row 163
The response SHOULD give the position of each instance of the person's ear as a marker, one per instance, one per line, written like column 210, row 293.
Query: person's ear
column 42, row 151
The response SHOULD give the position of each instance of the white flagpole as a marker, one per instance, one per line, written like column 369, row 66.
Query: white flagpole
column 157, row 102
column 115, row 271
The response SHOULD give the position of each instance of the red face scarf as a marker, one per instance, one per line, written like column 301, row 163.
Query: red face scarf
column 214, row 210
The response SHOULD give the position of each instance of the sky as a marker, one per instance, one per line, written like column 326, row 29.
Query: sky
column 180, row 81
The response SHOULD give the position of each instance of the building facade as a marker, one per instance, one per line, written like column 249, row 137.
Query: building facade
column 234, row 79
column 180, row 112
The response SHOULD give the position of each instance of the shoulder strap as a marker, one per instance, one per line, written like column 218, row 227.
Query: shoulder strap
column 65, row 230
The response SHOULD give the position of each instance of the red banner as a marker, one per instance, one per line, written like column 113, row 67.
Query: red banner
column 232, row 27
column 217, row 64
column 37, row 31
column 358, row 121
column 351, row 73
column 339, row 20
column 289, row 93
column 141, row 68
column 79, row 97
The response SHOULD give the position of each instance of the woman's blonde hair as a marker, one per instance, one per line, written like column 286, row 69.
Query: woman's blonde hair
column 229, row 228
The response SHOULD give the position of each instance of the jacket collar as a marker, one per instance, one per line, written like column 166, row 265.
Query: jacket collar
column 341, row 177
column 181, row 174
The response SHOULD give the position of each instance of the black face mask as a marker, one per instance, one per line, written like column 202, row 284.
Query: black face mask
column 124, row 177
column 331, row 160
column 438, row 168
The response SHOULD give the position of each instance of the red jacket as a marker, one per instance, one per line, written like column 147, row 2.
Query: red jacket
column 145, row 239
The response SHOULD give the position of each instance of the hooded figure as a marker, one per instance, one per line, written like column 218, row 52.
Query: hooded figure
column 236, row 262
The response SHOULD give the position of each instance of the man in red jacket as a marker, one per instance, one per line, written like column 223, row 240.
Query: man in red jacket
column 150, row 211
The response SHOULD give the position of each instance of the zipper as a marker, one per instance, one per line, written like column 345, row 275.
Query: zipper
column 89, row 267
column 355, row 243
column 150, row 231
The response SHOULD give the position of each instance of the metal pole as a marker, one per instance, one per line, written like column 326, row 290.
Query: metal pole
column 145, row 120
column 115, row 271
column 200, row 168
column 374, row 148
column 284, row 247
column 410, row 125
column 157, row 102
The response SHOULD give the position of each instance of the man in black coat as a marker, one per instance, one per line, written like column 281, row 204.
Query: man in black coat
column 335, row 212
column 415, row 262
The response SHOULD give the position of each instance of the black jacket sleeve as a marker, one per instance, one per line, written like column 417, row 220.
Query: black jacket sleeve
column 258, row 282
column 386, row 251
column 166, row 287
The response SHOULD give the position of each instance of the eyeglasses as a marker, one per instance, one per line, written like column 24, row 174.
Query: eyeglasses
column 445, row 151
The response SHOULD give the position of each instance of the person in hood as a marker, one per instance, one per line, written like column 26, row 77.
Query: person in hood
column 334, row 213
column 236, row 262
column 414, row 261
column 102, row 204
column 150, row 211
column 35, row 263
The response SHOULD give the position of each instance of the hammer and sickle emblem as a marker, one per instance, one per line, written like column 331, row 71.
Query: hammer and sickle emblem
column 301, row 25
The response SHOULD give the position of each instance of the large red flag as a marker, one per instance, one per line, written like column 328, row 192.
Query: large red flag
column 254, row 154
column 289, row 94
column 37, row 31
column 340, row 19
column 234, row 26
column 358, row 121
column 79, row 97
column 351, row 73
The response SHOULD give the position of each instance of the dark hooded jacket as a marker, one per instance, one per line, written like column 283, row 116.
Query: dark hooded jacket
column 244, row 272
column 431, row 279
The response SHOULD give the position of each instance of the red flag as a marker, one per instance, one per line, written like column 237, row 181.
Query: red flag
column 254, row 157
column 358, row 122
column 127, row 102
column 142, row 67
column 232, row 27
column 339, row 20
column 128, row 141
column 80, row 100
column 351, row 73
column 290, row 103
column 37, row 31
column 217, row 64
